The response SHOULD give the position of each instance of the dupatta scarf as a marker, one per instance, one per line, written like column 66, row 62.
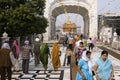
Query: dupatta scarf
column 44, row 51
column 55, row 56
column 84, row 57
column 104, row 68
column 16, row 47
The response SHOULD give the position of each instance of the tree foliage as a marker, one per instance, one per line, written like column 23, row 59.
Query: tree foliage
column 22, row 17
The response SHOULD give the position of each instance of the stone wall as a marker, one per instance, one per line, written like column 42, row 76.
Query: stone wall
column 116, row 45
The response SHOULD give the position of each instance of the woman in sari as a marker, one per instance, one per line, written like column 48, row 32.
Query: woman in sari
column 84, row 69
column 55, row 56
column 44, row 52
column 16, row 51
column 103, row 67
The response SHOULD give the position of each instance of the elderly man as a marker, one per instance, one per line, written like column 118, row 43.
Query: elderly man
column 5, row 62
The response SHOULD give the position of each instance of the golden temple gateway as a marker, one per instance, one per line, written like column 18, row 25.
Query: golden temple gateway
column 69, row 27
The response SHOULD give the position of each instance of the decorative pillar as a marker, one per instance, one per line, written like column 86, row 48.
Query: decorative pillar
column 52, row 27
column 93, row 30
column 86, row 26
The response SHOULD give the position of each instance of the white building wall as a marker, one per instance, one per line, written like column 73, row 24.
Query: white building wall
column 46, row 14
column 93, row 29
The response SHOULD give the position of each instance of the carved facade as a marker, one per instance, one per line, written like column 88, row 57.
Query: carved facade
column 87, row 9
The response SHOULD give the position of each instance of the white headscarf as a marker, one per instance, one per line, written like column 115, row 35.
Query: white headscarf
column 6, row 45
column 84, row 57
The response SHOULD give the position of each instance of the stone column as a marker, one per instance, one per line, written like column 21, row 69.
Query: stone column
column 86, row 26
column 93, row 30
column 46, row 14
column 52, row 28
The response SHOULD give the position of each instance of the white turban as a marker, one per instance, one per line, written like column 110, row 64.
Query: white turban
column 26, row 42
column 6, row 45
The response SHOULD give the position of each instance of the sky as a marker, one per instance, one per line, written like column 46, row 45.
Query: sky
column 108, row 6
column 104, row 6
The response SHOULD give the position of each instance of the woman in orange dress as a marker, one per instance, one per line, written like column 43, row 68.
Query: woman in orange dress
column 55, row 56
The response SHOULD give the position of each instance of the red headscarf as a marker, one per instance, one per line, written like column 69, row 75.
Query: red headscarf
column 17, row 47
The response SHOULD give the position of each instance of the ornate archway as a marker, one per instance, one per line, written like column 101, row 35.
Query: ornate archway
column 87, row 9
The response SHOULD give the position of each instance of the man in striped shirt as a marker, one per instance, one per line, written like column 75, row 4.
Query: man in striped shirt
column 26, row 50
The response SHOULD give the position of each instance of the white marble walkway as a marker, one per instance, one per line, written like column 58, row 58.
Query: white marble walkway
column 64, row 70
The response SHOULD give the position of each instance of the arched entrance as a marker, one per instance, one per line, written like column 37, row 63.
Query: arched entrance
column 86, row 9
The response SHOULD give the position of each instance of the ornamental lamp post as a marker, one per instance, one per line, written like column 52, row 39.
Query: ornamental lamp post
column 5, row 37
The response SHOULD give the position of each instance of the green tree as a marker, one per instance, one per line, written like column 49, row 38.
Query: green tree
column 22, row 17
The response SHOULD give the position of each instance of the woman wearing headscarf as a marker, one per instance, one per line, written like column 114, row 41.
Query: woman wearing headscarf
column 78, row 51
column 103, row 67
column 44, row 52
column 15, row 50
column 5, row 62
column 55, row 56
column 84, row 70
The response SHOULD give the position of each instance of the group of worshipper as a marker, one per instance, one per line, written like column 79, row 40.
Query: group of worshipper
column 7, row 53
column 45, row 52
column 102, row 69
column 9, row 58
